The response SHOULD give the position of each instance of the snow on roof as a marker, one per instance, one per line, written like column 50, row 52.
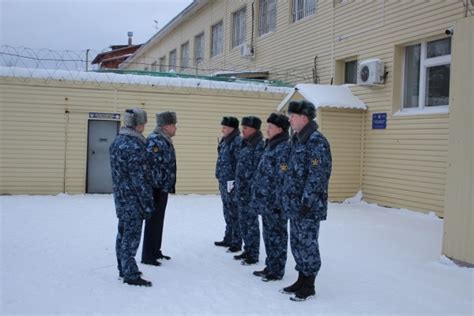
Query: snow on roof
column 139, row 80
column 328, row 96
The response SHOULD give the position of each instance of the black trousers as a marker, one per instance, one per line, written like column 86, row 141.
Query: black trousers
column 154, row 227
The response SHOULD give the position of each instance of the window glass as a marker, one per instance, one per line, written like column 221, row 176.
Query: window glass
column 239, row 28
column 185, row 56
column 217, row 39
column 350, row 72
column 438, row 48
column 437, row 85
column 199, row 49
column 266, row 16
column 411, row 86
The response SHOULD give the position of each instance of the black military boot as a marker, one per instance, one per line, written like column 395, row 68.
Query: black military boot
column 222, row 243
column 271, row 277
column 261, row 273
column 243, row 255
column 162, row 256
column 139, row 282
column 295, row 286
column 152, row 262
column 234, row 248
column 306, row 291
column 247, row 261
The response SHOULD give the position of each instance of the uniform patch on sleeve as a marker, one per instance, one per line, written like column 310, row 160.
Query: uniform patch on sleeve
column 156, row 149
column 315, row 162
column 283, row 167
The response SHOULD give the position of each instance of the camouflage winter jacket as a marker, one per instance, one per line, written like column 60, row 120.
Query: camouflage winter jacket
column 130, row 175
column 270, row 174
column 227, row 155
column 309, row 168
column 251, row 150
column 163, row 161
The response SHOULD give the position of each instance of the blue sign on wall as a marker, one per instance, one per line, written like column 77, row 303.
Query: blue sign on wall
column 379, row 120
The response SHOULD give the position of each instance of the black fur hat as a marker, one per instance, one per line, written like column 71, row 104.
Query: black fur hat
column 279, row 120
column 251, row 121
column 302, row 107
column 230, row 121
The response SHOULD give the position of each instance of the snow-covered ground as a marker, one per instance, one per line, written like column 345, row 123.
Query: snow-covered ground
column 57, row 257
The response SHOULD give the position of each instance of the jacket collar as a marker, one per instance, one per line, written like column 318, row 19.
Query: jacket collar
column 306, row 132
column 130, row 131
column 229, row 138
column 254, row 139
column 278, row 139
column 158, row 131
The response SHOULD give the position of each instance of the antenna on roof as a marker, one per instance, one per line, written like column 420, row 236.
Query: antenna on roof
column 156, row 24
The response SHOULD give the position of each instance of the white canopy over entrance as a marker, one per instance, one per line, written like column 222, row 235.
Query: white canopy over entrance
column 328, row 96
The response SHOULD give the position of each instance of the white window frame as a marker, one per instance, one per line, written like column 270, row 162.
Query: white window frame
column 184, row 56
column 162, row 64
column 239, row 27
column 301, row 9
column 199, row 49
column 424, row 64
column 217, row 39
column 173, row 60
column 267, row 25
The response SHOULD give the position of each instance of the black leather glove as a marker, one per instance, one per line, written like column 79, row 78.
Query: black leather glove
column 277, row 211
column 304, row 210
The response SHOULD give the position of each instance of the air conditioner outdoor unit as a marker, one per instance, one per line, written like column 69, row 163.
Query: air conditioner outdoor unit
column 370, row 72
column 246, row 50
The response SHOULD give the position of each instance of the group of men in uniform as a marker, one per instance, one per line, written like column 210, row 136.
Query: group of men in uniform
column 143, row 174
column 280, row 179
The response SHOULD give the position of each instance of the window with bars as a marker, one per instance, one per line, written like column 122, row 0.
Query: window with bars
column 217, row 36
column 266, row 16
column 184, row 56
column 239, row 27
column 426, row 75
column 172, row 59
column 154, row 66
column 199, row 49
column 302, row 9
column 162, row 63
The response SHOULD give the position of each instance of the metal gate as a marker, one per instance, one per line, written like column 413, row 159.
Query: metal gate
column 101, row 134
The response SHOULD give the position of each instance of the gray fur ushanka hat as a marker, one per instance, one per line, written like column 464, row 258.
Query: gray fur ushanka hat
column 133, row 117
column 166, row 118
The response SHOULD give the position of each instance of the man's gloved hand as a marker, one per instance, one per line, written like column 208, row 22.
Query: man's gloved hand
column 277, row 211
column 304, row 210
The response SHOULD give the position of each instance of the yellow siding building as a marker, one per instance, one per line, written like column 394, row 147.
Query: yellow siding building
column 403, row 165
column 44, row 124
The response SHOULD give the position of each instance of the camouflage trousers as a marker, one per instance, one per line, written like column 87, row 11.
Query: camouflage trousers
column 304, row 235
column 275, row 238
column 232, row 233
column 128, row 240
column 250, row 229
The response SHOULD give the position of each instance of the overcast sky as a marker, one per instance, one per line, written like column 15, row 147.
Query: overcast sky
column 80, row 25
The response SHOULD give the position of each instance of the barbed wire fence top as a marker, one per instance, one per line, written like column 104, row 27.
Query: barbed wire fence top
column 25, row 63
